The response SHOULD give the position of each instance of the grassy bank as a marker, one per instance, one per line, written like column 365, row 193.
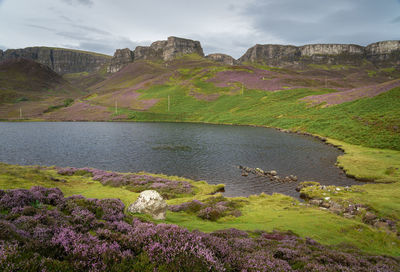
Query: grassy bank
column 261, row 212
column 371, row 122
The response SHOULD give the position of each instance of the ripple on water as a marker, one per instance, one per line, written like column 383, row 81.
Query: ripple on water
column 196, row 151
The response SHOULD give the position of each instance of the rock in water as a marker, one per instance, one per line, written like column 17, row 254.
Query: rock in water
column 150, row 202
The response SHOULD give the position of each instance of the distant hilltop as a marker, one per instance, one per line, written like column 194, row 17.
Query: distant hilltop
column 63, row 61
column 60, row 60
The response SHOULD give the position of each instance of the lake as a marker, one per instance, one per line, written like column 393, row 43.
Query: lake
column 196, row 151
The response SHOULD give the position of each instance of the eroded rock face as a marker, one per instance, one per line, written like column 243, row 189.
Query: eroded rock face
column 383, row 51
column 177, row 46
column 121, row 58
column 222, row 58
column 331, row 49
column 159, row 50
column 271, row 54
column 145, row 53
column 280, row 55
column 150, row 202
column 58, row 59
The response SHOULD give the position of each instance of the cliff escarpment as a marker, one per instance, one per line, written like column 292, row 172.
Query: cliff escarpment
column 380, row 53
column 60, row 60
column 159, row 50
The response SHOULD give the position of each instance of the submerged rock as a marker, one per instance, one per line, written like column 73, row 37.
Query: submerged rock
column 150, row 202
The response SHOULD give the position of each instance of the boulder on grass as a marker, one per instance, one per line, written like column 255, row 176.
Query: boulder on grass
column 150, row 202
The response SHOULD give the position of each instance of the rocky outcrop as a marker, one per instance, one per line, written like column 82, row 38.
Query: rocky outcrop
column 222, row 58
column 150, row 202
column 281, row 55
column 332, row 53
column 146, row 53
column 158, row 51
column 176, row 47
column 384, row 51
column 59, row 60
column 271, row 54
column 121, row 58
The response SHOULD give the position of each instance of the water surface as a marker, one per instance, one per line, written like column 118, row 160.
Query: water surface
column 196, row 151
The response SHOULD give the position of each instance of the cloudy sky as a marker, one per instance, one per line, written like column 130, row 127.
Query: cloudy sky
column 225, row 26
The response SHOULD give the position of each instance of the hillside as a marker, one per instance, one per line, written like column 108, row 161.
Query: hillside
column 60, row 60
column 31, row 86
column 363, row 99
column 354, row 105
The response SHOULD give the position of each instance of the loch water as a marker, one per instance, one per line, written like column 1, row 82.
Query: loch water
column 196, row 151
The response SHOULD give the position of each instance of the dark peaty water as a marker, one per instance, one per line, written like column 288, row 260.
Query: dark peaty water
column 196, row 151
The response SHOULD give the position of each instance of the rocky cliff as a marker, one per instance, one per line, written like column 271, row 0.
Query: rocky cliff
column 384, row 51
column 271, row 54
column 280, row 55
column 59, row 60
column 159, row 50
column 121, row 58
column 222, row 58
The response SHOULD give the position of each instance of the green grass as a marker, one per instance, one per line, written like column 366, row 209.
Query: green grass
column 369, row 122
column 261, row 212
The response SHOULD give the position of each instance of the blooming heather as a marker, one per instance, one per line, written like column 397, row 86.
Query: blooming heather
column 41, row 230
column 134, row 182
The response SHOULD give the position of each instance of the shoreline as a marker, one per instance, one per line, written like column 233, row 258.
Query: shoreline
column 324, row 140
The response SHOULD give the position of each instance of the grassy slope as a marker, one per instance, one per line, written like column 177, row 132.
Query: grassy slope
column 371, row 122
column 368, row 122
column 283, row 213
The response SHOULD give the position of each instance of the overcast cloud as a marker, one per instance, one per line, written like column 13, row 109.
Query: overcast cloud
column 224, row 26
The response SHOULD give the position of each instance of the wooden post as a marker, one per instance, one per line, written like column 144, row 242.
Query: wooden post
column 169, row 103
column 20, row 113
column 242, row 90
column 326, row 82
column 116, row 107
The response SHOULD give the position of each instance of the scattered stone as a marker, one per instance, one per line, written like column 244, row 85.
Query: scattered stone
column 315, row 202
column 150, row 202
column 306, row 184
column 336, row 208
column 294, row 178
column 273, row 173
column 244, row 174
column 326, row 205
column 327, row 198
column 369, row 217
column 348, row 215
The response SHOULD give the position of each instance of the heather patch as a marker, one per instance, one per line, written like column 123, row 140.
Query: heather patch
column 77, row 234
column 211, row 208
column 168, row 188
column 352, row 94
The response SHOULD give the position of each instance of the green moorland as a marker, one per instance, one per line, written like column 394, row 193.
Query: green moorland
column 371, row 122
column 367, row 129
column 262, row 212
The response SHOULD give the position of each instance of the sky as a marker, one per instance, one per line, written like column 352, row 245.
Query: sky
column 222, row 26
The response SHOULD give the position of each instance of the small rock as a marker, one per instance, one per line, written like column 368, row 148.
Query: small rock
column 287, row 179
column 244, row 174
column 335, row 208
column 338, row 189
column 294, row 178
column 348, row 215
column 326, row 205
column 369, row 217
column 273, row 172
column 315, row 202
column 327, row 198
column 150, row 202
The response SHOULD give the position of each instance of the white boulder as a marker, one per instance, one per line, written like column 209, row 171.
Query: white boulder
column 150, row 202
